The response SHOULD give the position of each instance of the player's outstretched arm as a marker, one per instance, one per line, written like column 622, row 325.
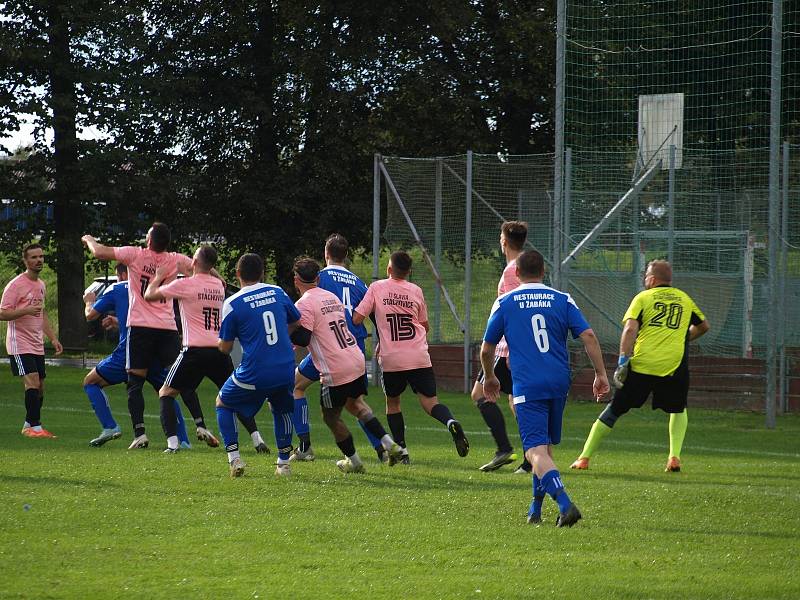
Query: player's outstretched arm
column 600, row 386
column 98, row 250
column 491, row 385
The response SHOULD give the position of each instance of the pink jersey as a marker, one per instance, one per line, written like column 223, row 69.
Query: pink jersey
column 200, row 299
column 508, row 281
column 142, row 264
column 24, row 335
column 333, row 348
column 400, row 311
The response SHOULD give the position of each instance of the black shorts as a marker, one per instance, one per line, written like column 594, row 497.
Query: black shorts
column 27, row 364
column 502, row 373
column 422, row 381
column 193, row 364
column 669, row 393
column 335, row 396
column 146, row 345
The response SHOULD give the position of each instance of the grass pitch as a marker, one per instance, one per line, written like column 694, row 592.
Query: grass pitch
column 81, row 522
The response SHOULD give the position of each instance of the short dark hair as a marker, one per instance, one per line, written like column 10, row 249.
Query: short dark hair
column 401, row 263
column 530, row 264
column 515, row 232
column 336, row 246
column 30, row 247
column 159, row 237
column 121, row 268
column 207, row 256
column 250, row 267
column 307, row 269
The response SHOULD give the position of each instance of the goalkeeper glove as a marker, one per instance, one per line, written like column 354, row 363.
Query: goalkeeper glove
column 621, row 373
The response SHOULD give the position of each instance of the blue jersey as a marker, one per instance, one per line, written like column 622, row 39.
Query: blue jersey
column 349, row 288
column 259, row 316
column 535, row 320
column 115, row 297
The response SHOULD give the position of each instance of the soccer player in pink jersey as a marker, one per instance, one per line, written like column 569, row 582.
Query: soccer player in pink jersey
column 22, row 305
column 153, row 333
column 200, row 299
column 513, row 235
column 401, row 317
column 335, row 352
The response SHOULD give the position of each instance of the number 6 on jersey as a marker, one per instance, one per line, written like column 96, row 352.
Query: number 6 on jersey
column 539, row 327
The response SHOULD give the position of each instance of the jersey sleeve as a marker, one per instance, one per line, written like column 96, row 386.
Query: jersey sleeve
column 106, row 301
column 9, row 300
column 697, row 315
column 176, row 289
column 367, row 306
column 292, row 314
column 576, row 322
column 183, row 263
column 306, row 314
column 635, row 310
column 126, row 254
column 229, row 329
column 495, row 327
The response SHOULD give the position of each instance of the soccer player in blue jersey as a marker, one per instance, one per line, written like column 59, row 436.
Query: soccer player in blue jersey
column 535, row 320
column 263, row 318
column 349, row 288
column 111, row 370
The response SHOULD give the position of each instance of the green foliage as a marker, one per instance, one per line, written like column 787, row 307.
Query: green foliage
column 109, row 522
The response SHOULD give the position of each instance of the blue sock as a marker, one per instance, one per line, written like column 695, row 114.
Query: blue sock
column 226, row 420
column 300, row 417
column 538, row 497
column 99, row 402
column 283, row 433
column 376, row 443
column 182, row 435
column 551, row 482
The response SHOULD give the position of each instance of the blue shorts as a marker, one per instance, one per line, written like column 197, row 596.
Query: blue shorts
column 308, row 369
column 539, row 421
column 248, row 401
column 112, row 369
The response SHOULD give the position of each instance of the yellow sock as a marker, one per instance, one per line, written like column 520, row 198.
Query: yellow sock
column 678, row 422
column 598, row 432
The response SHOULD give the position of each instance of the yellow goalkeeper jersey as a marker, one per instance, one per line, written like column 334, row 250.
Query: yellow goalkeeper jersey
column 664, row 314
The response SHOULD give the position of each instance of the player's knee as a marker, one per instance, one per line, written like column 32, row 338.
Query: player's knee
column 609, row 417
column 135, row 383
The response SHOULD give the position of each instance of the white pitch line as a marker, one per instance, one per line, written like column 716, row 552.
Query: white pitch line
column 615, row 442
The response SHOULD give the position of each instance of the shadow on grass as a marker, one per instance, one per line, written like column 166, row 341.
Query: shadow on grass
column 57, row 481
column 727, row 532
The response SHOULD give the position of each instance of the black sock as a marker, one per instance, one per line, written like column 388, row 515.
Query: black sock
column 136, row 403
column 347, row 446
column 192, row 402
column 374, row 427
column 398, row 427
column 441, row 413
column 305, row 441
column 248, row 422
column 33, row 413
column 169, row 418
column 493, row 416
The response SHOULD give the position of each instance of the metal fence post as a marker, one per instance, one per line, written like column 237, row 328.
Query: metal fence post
column 437, row 252
column 774, row 206
column 784, row 271
column 376, row 248
column 468, row 277
column 565, row 216
column 671, row 206
column 558, row 173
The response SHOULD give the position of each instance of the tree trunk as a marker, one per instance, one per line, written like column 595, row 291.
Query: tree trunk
column 67, row 210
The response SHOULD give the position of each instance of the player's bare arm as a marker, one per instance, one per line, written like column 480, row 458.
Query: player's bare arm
column 10, row 314
column 98, row 250
column 491, row 385
column 152, row 294
column 51, row 335
column 89, row 300
column 225, row 346
column 358, row 318
column 628, row 338
column 695, row 331
column 600, row 387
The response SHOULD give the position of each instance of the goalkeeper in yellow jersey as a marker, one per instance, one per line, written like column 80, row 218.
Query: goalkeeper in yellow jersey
column 653, row 358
